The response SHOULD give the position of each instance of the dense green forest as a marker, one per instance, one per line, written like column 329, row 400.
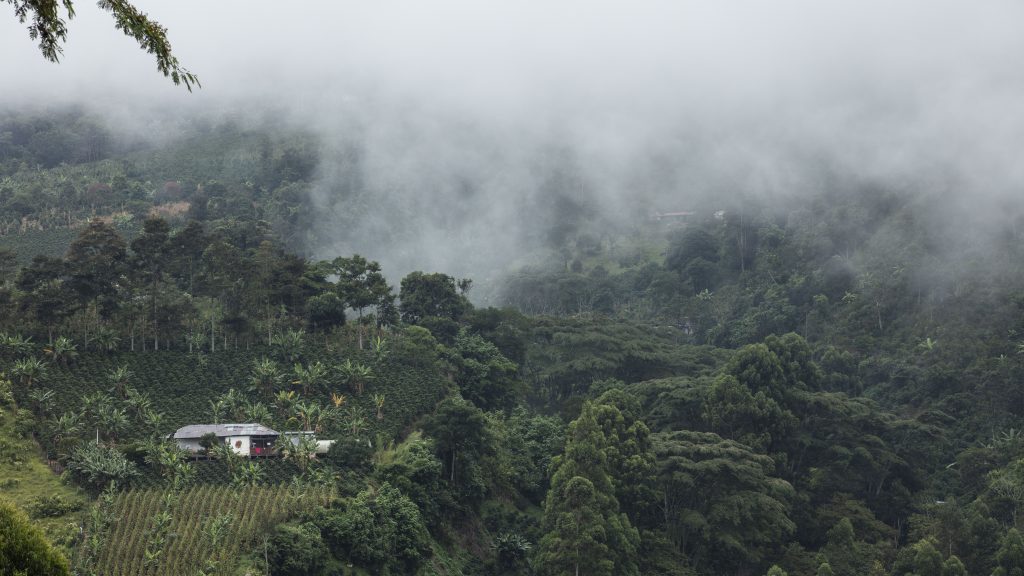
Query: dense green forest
column 822, row 383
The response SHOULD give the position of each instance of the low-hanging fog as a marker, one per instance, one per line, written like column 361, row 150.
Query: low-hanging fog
column 454, row 133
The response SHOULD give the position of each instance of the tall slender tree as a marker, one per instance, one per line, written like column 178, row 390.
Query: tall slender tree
column 585, row 533
column 151, row 254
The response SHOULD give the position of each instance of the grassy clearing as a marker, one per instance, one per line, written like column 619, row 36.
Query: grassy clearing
column 26, row 480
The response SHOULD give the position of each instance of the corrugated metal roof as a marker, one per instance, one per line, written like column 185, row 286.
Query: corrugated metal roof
column 222, row 430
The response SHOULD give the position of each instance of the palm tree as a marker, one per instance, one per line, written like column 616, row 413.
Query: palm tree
column 257, row 412
column 107, row 340
column 17, row 344
column 333, row 413
column 321, row 419
column 283, row 403
column 289, row 345
column 153, row 420
column 216, row 531
column 113, row 421
column 284, row 447
column 196, row 341
column 165, row 455
column 63, row 351
column 120, row 377
column 300, row 447
column 356, row 423
column 380, row 349
column 235, row 403
column 218, row 409
column 265, row 376
column 225, row 452
column 338, row 400
column 231, row 405
column 28, row 370
column 355, row 375
column 138, row 403
column 310, row 377
column 250, row 474
column 184, row 472
column 308, row 414
column 305, row 450
column 64, row 432
column 94, row 406
column 42, row 400
column 378, row 401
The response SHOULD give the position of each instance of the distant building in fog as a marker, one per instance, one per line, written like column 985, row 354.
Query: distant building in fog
column 680, row 217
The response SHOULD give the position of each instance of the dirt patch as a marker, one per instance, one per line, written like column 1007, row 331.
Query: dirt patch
column 170, row 210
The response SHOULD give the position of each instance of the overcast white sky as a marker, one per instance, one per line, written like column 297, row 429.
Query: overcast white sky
column 443, row 92
column 591, row 57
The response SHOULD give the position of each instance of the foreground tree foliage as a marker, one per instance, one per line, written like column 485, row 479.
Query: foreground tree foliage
column 721, row 504
column 380, row 529
column 297, row 550
column 49, row 28
column 24, row 550
column 585, row 532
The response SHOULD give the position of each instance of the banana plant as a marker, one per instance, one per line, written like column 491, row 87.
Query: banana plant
column 120, row 377
column 63, row 351
column 28, row 370
column 265, row 376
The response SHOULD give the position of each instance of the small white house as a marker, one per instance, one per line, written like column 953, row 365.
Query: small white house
column 244, row 439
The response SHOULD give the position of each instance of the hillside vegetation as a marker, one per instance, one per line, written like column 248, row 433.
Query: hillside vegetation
column 826, row 383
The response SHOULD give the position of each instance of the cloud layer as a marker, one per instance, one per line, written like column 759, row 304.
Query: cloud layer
column 457, row 132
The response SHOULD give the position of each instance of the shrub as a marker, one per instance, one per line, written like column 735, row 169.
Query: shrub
column 94, row 466
column 52, row 506
column 24, row 423
column 380, row 529
column 297, row 550
column 24, row 549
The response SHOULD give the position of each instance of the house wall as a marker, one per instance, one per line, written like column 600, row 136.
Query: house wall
column 192, row 445
column 240, row 444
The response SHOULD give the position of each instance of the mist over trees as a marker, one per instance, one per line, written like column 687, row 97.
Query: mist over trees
column 571, row 289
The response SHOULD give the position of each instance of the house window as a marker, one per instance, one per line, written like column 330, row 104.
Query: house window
column 238, row 443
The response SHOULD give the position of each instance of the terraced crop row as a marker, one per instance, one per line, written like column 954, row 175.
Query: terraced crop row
column 252, row 511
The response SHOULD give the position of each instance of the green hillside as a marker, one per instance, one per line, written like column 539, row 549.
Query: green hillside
column 821, row 383
column 25, row 479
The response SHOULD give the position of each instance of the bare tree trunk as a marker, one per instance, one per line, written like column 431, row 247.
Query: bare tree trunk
column 742, row 244
column 156, row 328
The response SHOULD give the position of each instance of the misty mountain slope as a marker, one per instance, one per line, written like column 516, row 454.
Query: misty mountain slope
column 806, row 367
column 175, row 167
column 755, row 267
column 872, row 272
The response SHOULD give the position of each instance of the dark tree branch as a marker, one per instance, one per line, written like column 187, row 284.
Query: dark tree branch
column 48, row 27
